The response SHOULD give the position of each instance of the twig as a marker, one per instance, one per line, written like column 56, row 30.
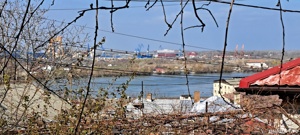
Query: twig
column 48, row 89
column 31, row 14
column 18, row 36
column 288, row 116
column 183, row 51
column 165, row 16
column 283, row 43
column 181, row 10
column 201, row 8
column 150, row 5
column 113, row 9
column 195, row 26
column 210, row 15
column 223, row 56
column 148, row 2
column 92, row 71
column 2, row 8
column 55, row 34
column 197, row 16
column 111, row 17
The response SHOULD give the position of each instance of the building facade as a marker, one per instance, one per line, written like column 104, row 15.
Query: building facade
column 228, row 86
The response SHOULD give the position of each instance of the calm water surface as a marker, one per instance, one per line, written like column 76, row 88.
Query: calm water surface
column 165, row 85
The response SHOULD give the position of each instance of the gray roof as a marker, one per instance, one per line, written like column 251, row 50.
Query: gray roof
column 161, row 106
column 232, row 81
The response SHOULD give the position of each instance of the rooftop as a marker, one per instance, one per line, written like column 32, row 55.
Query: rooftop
column 287, row 74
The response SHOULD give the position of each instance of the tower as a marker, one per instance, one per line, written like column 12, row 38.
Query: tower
column 55, row 47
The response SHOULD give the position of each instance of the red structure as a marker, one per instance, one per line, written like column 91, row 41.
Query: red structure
column 284, row 82
column 165, row 53
column 290, row 76
column 192, row 54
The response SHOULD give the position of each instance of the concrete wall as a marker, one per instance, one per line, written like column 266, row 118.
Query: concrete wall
column 23, row 100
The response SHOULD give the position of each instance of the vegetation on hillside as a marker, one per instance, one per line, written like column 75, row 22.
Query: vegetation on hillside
column 29, row 105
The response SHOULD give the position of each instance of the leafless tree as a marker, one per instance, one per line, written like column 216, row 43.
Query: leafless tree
column 35, row 50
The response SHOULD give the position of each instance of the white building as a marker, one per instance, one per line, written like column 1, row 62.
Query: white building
column 227, row 86
column 257, row 65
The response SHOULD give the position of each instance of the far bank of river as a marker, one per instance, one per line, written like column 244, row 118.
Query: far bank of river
column 168, row 86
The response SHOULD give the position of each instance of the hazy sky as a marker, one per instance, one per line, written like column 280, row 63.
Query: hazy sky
column 257, row 29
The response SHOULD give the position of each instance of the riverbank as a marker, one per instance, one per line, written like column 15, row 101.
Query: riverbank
column 137, row 67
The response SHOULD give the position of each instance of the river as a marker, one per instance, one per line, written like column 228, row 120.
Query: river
column 165, row 85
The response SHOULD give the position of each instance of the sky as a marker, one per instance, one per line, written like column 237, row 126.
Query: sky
column 256, row 29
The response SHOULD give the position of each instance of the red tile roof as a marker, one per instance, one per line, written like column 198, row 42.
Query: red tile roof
column 290, row 75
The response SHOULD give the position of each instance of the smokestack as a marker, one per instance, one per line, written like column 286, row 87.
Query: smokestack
column 149, row 97
column 196, row 96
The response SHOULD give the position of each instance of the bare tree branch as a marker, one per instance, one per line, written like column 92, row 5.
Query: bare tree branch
column 210, row 15
column 180, row 12
column 224, row 51
column 197, row 16
column 184, row 55
column 150, row 5
column 18, row 35
column 28, row 72
column 2, row 8
column 283, row 42
column 92, row 70
column 111, row 17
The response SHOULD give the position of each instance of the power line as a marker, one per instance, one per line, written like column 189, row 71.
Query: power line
column 78, row 46
column 139, row 37
column 133, row 36
column 156, row 40
column 79, row 9
column 258, row 7
column 117, row 70
column 226, row 2
column 106, row 50
column 149, row 84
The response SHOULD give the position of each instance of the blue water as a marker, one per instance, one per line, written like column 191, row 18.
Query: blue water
column 164, row 85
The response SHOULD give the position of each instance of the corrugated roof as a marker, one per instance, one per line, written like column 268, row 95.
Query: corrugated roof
column 164, row 106
column 289, row 76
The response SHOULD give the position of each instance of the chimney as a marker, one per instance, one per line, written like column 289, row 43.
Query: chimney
column 196, row 96
column 237, row 98
column 149, row 97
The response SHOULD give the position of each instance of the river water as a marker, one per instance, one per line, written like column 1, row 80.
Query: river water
column 165, row 85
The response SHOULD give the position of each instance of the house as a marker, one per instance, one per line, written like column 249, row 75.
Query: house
column 256, row 64
column 283, row 81
column 160, row 70
column 192, row 54
column 227, row 86
column 152, row 106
